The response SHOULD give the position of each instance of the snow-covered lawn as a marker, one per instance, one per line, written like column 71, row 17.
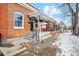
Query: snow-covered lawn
column 69, row 44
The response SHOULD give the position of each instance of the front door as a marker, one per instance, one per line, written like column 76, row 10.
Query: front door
column 31, row 26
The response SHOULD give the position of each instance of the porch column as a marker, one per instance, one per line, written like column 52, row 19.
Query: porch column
column 39, row 29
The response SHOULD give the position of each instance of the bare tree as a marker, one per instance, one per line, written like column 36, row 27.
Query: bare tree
column 74, row 18
column 73, row 15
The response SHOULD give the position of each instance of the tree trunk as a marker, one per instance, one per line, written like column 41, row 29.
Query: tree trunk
column 76, row 20
column 72, row 19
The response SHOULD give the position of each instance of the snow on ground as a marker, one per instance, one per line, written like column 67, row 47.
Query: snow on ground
column 69, row 44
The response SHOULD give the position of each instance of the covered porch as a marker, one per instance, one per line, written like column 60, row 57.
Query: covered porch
column 40, row 24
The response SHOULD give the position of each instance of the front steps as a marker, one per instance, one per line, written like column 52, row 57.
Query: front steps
column 30, row 35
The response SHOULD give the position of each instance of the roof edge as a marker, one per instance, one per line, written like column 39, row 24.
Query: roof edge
column 29, row 6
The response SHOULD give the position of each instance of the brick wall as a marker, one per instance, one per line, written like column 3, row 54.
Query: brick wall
column 3, row 24
column 7, row 20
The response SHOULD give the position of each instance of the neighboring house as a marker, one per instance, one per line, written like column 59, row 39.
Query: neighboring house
column 51, row 25
column 16, row 20
column 62, row 26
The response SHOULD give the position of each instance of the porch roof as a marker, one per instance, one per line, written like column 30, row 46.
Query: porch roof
column 41, row 15
column 35, row 12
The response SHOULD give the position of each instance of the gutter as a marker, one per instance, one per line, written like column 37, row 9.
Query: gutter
column 28, row 6
column 33, row 6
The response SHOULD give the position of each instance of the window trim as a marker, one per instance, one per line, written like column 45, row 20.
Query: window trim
column 17, row 12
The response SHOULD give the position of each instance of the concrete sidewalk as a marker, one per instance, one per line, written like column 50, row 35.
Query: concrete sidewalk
column 69, row 44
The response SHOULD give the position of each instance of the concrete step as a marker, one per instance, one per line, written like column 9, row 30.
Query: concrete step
column 13, row 50
column 30, row 35
column 28, row 38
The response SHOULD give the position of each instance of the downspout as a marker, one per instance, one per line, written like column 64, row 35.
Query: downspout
column 6, row 22
column 0, row 29
column 5, row 40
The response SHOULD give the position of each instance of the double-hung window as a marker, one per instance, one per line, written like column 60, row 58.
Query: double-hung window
column 18, row 20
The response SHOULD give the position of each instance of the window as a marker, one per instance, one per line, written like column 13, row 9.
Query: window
column 18, row 20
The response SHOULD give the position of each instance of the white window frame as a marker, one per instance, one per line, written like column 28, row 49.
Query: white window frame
column 16, row 12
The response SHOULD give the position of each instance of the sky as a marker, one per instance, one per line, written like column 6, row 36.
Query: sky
column 56, row 11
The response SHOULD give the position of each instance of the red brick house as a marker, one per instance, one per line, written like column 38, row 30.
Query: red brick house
column 15, row 20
